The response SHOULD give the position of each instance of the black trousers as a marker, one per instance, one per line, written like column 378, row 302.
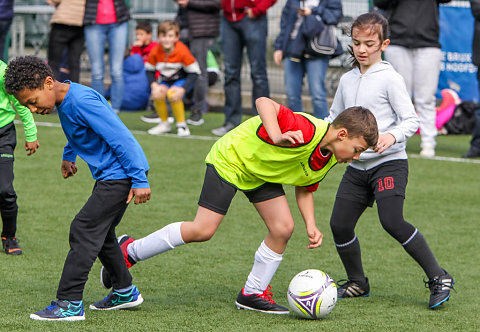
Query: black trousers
column 8, row 197
column 66, row 37
column 92, row 235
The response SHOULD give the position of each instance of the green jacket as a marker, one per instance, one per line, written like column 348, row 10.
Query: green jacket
column 8, row 105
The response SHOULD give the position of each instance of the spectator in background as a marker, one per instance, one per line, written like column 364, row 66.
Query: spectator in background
column 66, row 34
column 6, row 18
column 290, row 46
column 415, row 53
column 244, row 26
column 143, row 44
column 474, row 151
column 178, row 72
column 107, row 20
column 203, row 19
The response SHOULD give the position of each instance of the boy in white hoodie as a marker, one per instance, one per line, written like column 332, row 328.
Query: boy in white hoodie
column 379, row 174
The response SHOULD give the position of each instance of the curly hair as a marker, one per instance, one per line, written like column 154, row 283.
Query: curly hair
column 27, row 72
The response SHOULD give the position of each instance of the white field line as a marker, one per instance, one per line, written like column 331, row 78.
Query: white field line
column 210, row 138
column 136, row 132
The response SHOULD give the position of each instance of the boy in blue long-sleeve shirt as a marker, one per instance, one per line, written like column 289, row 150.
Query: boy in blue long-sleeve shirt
column 117, row 163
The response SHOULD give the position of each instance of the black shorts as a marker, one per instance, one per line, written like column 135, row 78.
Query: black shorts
column 217, row 194
column 385, row 180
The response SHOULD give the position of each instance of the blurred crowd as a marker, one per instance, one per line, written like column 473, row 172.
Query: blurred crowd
column 171, row 75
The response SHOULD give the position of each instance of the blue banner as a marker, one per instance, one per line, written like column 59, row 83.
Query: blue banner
column 456, row 34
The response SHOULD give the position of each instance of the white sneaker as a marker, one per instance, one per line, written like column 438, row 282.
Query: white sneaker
column 183, row 131
column 223, row 129
column 428, row 150
column 161, row 128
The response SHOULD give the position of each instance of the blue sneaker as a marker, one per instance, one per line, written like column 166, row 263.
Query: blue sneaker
column 117, row 300
column 60, row 310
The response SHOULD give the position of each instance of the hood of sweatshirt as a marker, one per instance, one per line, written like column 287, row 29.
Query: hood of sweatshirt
column 382, row 90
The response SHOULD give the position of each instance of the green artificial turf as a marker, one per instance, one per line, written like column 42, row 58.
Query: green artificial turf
column 194, row 287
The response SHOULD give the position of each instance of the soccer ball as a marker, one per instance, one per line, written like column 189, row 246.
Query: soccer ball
column 312, row 294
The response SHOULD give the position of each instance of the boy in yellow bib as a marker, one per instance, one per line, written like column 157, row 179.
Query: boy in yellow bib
column 276, row 147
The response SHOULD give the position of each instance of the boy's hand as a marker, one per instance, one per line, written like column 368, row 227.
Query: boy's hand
column 68, row 168
column 384, row 142
column 142, row 195
column 315, row 237
column 289, row 138
column 175, row 93
column 182, row 3
column 277, row 57
column 32, row 147
column 305, row 11
column 250, row 13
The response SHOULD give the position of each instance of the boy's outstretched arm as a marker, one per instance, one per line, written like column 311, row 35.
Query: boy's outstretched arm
column 268, row 111
column 306, row 207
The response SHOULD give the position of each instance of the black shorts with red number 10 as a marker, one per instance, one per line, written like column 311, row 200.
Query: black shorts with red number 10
column 385, row 180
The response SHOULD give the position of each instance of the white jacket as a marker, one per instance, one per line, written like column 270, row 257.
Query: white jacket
column 382, row 90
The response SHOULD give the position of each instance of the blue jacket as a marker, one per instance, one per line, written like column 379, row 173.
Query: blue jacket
column 98, row 136
column 6, row 9
column 329, row 10
column 137, row 89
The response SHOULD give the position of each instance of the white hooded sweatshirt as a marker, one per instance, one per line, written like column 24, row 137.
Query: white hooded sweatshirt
column 382, row 90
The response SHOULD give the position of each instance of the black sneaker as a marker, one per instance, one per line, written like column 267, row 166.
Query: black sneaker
column 151, row 118
column 348, row 288
column 472, row 153
column 11, row 246
column 439, row 289
column 260, row 302
column 116, row 300
column 195, row 118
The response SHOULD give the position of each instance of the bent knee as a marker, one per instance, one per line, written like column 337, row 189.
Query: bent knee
column 283, row 230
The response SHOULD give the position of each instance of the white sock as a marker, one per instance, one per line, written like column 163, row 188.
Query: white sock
column 265, row 266
column 160, row 241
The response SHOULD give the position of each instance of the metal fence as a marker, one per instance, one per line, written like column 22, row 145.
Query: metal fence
column 31, row 28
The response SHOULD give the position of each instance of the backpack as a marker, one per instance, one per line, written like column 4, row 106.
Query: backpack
column 463, row 119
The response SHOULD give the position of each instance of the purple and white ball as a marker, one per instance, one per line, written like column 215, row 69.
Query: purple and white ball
column 312, row 294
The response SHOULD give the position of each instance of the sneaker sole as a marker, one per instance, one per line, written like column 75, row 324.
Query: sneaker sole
column 71, row 318
column 195, row 123
column 121, row 306
column 241, row 306
column 150, row 120
column 441, row 302
column 13, row 252
column 352, row 297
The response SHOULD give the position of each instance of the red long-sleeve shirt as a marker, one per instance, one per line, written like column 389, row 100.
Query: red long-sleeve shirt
column 235, row 10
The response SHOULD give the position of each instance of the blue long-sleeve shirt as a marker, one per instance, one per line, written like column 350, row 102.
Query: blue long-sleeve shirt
column 97, row 135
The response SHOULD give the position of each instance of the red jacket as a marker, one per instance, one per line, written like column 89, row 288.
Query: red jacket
column 235, row 10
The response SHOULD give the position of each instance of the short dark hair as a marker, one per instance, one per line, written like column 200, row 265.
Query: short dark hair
column 359, row 122
column 145, row 26
column 27, row 72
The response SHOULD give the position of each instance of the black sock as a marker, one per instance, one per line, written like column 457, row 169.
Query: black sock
column 418, row 248
column 9, row 219
column 352, row 261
